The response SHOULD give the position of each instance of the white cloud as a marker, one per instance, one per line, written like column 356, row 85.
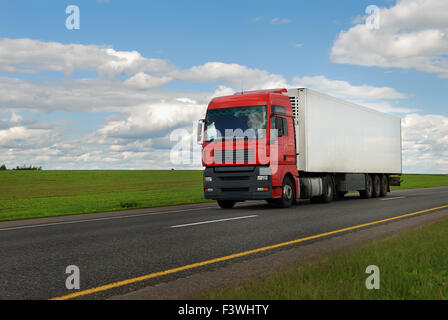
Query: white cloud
column 154, row 120
column 378, row 98
column 223, row 91
column 16, row 117
column 412, row 34
column 278, row 20
column 21, row 137
column 425, row 143
column 343, row 89
column 137, row 134
column 145, row 81
column 234, row 74
column 80, row 95
column 34, row 56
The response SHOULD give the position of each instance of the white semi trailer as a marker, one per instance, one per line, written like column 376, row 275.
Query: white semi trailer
column 326, row 147
column 347, row 139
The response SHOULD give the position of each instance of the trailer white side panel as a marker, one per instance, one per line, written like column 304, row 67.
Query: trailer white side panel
column 338, row 136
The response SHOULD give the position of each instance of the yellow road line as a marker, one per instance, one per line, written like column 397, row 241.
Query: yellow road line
column 233, row 256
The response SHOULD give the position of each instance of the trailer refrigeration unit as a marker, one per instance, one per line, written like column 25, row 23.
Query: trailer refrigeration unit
column 280, row 145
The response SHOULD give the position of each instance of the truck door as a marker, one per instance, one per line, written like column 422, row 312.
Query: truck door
column 285, row 140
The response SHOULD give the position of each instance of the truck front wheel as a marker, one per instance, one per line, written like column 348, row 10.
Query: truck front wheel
column 288, row 193
column 226, row 204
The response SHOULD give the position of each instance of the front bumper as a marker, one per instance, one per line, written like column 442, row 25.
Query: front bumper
column 237, row 183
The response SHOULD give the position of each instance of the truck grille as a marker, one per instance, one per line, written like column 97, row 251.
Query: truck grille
column 231, row 156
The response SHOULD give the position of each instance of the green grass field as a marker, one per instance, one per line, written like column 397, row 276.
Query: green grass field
column 413, row 181
column 413, row 265
column 31, row 194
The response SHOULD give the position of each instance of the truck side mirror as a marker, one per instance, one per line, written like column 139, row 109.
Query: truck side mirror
column 200, row 131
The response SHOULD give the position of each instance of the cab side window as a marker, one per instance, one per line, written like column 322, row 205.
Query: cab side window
column 281, row 125
column 285, row 126
column 278, row 109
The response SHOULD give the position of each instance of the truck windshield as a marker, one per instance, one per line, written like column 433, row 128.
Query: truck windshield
column 236, row 122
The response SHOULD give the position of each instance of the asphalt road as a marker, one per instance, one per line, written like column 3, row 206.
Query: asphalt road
column 108, row 249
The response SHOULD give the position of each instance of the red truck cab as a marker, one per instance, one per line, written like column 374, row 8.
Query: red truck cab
column 249, row 149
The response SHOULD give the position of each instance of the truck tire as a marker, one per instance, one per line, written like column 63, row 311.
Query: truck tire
column 367, row 193
column 327, row 189
column 376, row 186
column 288, row 193
column 384, row 185
column 226, row 204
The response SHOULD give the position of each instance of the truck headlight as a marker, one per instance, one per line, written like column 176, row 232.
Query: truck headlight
column 208, row 179
column 262, row 178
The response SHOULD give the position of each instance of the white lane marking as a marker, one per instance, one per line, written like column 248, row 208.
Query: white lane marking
column 212, row 221
column 394, row 198
column 99, row 219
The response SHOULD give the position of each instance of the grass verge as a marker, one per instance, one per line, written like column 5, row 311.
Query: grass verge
column 414, row 181
column 413, row 265
column 33, row 194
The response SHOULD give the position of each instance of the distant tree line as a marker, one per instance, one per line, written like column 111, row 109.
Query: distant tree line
column 24, row 167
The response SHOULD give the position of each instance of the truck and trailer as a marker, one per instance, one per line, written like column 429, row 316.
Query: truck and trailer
column 280, row 145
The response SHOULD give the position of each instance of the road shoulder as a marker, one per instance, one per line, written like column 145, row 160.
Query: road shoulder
column 103, row 215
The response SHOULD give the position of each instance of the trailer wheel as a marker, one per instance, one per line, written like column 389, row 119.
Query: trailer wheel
column 226, row 204
column 384, row 185
column 288, row 193
column 376, row 186
column 328, row 190
column 367, row 193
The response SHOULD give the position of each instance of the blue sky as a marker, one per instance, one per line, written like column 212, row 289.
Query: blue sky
column 201, row 49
